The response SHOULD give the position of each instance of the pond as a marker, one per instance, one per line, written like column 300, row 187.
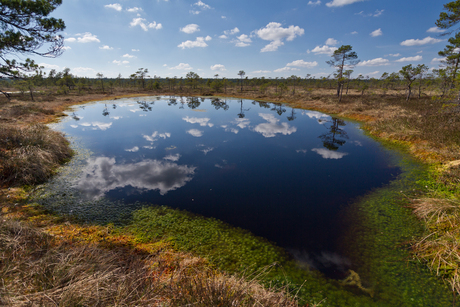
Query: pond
column 284, row 174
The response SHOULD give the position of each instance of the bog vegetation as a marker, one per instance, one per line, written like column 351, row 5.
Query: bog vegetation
column 414, row 107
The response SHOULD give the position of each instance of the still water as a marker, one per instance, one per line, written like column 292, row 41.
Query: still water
column 284, row 174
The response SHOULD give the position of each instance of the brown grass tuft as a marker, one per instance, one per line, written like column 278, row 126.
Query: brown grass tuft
column 29, row 155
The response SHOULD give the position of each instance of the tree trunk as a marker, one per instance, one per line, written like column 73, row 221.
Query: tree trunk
column 6, row 95
column 408, row 92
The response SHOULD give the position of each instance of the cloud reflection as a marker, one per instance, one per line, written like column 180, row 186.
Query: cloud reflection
column 97, row 125
column 273, row 126
column 329, row 154
column 203, row 122
column 102, row 175
column 195, row 132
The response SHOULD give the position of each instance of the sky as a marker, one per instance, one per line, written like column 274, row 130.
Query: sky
column 263, row 38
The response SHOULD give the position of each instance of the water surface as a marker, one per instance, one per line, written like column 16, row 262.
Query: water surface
column 282, row 173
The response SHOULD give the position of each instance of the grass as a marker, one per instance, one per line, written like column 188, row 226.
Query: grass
column 30, row 154
column 37, row 269
column 429, row 129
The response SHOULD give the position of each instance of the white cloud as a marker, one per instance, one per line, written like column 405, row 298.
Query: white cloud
column 218, row 67
column 120, row 62
column 49, row 66
column 273, row 127
column 435, row 30
column 199, row 42
column 182, row 66
column 374, row 72
column 354, row 32
column 314, row 3
column 323, row 50
column 302, row 63
column 142, row 22
column 191, row 28
column 338, row 3
column 261, row 72
column 128, row 56
column 275, row 33
column 284, row 69
column 83, row 70
column 202, row 5
column 135, row 50
column 232, row 31
column 105, row 47
column 115, row 6
column 331, row 42
column 66, row 48
column 419, row 42
column 376, row 33
column 329, row 154
column 223, row 36
column 135, row 10
column 375, row 62
column 242, row 41
column 378, row 13
column 83, row 38
column 97, row 125
column 395, row 54
column 195, row 132
column 437, row 60
column 410, row 59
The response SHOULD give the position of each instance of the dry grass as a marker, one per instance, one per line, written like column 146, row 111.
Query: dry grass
column 441, row 247
column 30, row 154
column 38, row 270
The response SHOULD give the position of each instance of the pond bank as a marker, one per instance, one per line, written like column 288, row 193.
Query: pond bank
column 340, row 297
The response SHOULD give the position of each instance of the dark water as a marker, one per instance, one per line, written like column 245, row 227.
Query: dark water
column 284, row 174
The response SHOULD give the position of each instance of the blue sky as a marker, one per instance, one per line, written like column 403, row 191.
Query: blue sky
column 262, row 37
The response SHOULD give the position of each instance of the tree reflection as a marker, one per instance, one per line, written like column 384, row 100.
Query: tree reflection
column 262, row 104
column 219, row 104
column 241, row 114
column 292, row 116
column 75, row 117
column 105, row 112
column 335, row 136
column 144, row 106
column 193, row 102
column 278, row 108
column 114, row 106
column 172, row 102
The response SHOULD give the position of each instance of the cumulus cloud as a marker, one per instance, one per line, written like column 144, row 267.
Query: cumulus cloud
column 129, row 56
column 242, row 41
column 218, row 67
column 115, row 6
column 105, row 47
column 284, row 69
column 191, row 28
column 331, row 42
column 120, row 62
column 302, row 63
column 198, row 7
column 376, row 33
column 232, row 31
column 395, row 54
column 437, row 60
column 173, row 158
column 83, row 38
column 103, row 174
column 273, row 127
column 134, row 149
column 261, row 72
column 182, row 66
column 135, row 10
column 329, row 154
column 435, row 30
column 338, row 3
column 275, row 33
column 420, row 42
column 142, row 22
column 314, row 3
column 199, row 42
column 410, row 59
column 323, row 50
column 375, row 62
